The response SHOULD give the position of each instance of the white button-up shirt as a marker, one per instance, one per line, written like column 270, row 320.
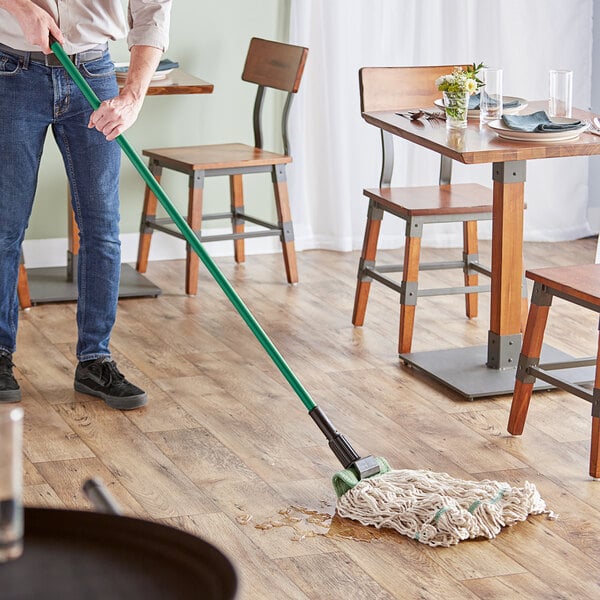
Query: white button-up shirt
column 88, row 23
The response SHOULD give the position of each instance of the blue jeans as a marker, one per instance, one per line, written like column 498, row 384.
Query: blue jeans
column 34, row 97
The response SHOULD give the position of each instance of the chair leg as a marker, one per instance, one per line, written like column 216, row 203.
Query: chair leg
column 194, row 219
column 23, row 287
column 236, row 190
column 284, row 220
column 470, row 245
column 367, row 259
column 595, row 448
column 148, row 213
column 595, row 445
column 530, row 354
column 73, row 237
column 408, row 298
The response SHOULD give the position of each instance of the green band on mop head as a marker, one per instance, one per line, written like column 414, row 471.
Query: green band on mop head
column 345, row 480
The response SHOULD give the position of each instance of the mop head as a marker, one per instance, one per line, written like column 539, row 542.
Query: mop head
column 434, row 508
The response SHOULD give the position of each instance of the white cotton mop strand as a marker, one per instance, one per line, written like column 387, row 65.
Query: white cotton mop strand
column 434, row 508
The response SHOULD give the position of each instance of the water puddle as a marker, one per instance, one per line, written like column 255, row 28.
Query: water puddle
column 306, row 523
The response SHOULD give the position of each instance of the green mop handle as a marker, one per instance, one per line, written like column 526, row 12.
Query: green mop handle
column 189, row 235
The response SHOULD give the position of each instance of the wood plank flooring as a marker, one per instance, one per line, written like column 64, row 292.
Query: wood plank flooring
column 226, row 450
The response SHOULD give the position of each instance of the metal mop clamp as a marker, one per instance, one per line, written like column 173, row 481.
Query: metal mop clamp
column 339, row 444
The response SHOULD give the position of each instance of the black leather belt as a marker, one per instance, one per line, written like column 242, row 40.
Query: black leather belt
column 50, row 60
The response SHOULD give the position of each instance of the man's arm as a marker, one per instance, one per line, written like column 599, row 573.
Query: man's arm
column 36, row 23
column 116, row 115
column 148, row 37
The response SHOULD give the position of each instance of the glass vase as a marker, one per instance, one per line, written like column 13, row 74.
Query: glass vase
column 457, row 107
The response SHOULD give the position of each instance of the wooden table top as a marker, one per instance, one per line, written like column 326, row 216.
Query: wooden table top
column 475, row 145
column 178, row 82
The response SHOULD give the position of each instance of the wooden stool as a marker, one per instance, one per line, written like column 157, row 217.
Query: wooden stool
column 579, row 285
column 404, row 88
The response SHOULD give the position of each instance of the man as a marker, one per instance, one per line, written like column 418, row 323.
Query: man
column 36, row 93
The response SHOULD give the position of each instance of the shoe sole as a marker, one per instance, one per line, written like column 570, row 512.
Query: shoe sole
column 128, row 403
column 9, row 396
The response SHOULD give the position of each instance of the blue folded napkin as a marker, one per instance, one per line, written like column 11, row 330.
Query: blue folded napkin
column 537, row 122
column 165, row 64
column 475, row 100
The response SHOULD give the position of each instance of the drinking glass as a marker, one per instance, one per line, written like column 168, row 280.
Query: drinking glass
column 561, row 93
column 11, row 482
column 490, row 95
column 456, row 105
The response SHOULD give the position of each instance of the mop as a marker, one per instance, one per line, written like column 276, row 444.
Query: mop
column 432, row 508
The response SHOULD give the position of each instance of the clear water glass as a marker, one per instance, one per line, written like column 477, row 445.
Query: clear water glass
column 11, row 482
column 561, row 93
column 490, row 95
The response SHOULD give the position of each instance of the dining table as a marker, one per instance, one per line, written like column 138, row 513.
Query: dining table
column 59, row 284
column 489, row 369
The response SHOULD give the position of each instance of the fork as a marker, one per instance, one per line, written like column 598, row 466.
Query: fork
column 415, row 115
column 594, row 126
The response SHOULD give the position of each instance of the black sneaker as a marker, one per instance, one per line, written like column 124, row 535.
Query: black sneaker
column 9, row 388
column 102, row 378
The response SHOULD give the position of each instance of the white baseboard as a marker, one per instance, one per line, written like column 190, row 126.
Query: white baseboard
column 53, row 252
column 593, row 215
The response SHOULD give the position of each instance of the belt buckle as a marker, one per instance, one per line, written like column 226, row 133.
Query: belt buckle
column 51, row 60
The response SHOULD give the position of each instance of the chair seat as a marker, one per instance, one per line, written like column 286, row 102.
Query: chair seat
column 433, row 200
column 215, row 156
column 581, row 281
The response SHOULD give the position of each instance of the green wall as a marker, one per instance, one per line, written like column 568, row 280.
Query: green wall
column 209, row 38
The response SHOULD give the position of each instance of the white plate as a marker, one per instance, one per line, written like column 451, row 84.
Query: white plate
column 474, row 114
column 538, row 136
column 121, row 69
column 161, row 74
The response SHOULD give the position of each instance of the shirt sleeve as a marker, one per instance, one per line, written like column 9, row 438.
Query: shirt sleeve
column 149, row 22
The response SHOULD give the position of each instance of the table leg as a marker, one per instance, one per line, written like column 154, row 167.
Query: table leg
column 504, row 337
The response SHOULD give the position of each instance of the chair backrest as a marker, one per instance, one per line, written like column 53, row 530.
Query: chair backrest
column 274, row 65
column 401, row 88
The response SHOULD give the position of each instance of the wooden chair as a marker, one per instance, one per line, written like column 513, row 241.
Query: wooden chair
column 269, row 65
column 579, row 285
column 400, row 89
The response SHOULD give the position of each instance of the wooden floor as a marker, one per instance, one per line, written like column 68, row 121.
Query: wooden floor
column 226, row 450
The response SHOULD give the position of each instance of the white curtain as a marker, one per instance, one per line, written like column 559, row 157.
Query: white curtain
column 337, row 154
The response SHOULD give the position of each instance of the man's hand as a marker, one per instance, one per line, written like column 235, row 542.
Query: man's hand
column 36, row 23
column 116, row 115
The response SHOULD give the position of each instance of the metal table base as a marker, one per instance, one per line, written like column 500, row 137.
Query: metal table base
column 50, row 284
column 464, row 370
